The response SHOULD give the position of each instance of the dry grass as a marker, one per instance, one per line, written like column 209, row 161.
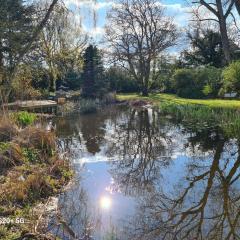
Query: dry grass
column 30, row 171
column 38, row 138
column 10, row 155
column 8, row 130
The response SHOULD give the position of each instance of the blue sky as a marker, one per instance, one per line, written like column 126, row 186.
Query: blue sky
column 84, row 12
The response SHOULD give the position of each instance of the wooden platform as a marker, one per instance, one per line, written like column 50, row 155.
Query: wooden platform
column 33, row 105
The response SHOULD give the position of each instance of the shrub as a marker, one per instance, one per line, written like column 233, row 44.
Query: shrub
column 24, row 118
column 231, row 78
column 27, row 189
column 197, row 83
column 185, row 83
column 212, row 79
column 121, row 81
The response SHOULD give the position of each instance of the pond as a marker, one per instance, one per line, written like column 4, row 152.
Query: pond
column 142, row 175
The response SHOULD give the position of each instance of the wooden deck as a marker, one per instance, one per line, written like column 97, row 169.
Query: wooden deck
column 33, row 105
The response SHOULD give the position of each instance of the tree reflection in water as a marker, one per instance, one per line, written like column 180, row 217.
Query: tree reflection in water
column 204, row 205
column 139, row 148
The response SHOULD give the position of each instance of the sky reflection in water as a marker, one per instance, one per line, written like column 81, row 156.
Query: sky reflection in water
column 140, row 175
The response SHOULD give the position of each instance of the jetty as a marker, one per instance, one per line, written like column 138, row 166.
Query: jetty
column 42, row 106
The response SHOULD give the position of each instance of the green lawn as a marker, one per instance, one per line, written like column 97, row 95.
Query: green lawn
column 170, row 98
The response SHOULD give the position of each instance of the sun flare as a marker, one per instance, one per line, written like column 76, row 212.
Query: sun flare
column 105, row 202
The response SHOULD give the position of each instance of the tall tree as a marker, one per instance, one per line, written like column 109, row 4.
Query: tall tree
column 61, row 44
column 206, row 48
column 19, row 30
column 220, row 9
column 138, row 32
column 94, row 84
column 15, row 32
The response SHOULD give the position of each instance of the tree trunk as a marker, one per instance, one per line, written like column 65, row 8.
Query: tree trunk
column 237, row 4
column 145, row 91
column 223, row 31
column 225, row 42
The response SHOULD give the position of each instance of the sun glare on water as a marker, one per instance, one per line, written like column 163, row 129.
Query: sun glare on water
column 105, row 202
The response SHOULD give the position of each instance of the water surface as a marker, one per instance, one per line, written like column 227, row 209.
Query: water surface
column 143, row 175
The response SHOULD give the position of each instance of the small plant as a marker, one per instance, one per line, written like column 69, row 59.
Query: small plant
column 24, row 118
column 31, row 155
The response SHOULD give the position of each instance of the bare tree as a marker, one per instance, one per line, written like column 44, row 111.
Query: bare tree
column 138, row 32
column 221, row 10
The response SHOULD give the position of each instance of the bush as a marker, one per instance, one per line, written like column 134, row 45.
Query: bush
column 212, row 79
column 185, row 83
column 121, row 81
column 197, row 83
column 231, row 78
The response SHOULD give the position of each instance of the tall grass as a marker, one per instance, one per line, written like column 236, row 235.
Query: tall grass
column 200, row 117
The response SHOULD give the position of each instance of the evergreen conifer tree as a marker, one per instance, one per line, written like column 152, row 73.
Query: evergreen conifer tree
column 16, row 29
column 94, row 81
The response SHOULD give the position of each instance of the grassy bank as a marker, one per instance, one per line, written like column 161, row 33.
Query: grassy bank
column 197, row 114
column 31, row 170
column 173, row 99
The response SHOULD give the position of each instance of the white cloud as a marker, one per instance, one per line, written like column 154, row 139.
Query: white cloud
column 82, row 9
column 88, row 4
column 94, row 32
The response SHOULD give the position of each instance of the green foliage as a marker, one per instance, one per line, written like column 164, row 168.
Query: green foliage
column 121, row 81
column 24, row 118
column 162, row 81
column 185, row 83
column 207, row 49
column 4, row 146
column 197, row 83
column 73, row 80
column 94, row 81
column 31, row 155
column 199, row 117
column 231, row 78
column 212, row 78
column 16, row 29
